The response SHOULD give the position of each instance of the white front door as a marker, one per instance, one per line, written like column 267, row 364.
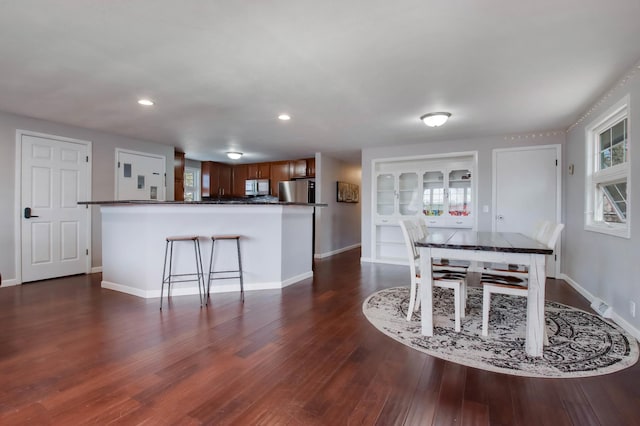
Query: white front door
column 55, row 229
column 527, row 191
column 139, row 176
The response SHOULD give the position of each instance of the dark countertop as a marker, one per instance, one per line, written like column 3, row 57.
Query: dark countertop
column 508, row 242
column 247, row 202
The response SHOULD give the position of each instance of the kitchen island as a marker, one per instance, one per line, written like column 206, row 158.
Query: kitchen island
column 277, row 243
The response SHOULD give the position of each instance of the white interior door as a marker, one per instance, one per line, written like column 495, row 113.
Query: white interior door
column 527, row 191
column 54, row 177
column 139, row 176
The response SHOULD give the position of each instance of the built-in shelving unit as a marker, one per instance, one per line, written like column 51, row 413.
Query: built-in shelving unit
column 438, row 189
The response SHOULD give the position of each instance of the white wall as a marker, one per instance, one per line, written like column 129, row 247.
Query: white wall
column 605, row 266
column 484, row 147
column 103, row 178
column 338, row 224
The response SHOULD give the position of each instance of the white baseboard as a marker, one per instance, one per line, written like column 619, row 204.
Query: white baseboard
column 216, row 287
column 590, row 297
column 334, row 252
column 96, row 269
column 10, row 283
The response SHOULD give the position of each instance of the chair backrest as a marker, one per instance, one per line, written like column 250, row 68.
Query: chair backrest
column 410, row 231
column 540, row 229
column 422, row 225
column 551, row 234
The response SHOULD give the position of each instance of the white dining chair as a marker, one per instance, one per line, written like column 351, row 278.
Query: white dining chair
column 537, row 234
column 441, row 278
column 511, row 284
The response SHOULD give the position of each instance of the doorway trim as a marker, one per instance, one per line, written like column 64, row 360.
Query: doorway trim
column 494, row 188
column 18, row 197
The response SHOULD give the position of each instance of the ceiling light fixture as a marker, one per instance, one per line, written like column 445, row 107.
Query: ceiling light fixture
column 284, row 117
column 234, row 155
column 146, row 102
column 435, row 119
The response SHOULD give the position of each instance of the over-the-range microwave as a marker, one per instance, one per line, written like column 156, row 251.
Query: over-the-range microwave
column 256, row 187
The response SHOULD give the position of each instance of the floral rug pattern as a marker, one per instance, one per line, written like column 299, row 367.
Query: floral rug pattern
column 580, row 344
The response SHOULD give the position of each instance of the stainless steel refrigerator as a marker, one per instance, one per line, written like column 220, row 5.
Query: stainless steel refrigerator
column 297, row 191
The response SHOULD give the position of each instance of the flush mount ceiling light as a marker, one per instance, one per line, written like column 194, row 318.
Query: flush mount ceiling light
column 234, row 155
column 145, row 102
column 435, row 119
column 284, row 117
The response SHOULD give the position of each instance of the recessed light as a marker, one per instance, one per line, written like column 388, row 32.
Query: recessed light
column 284, row 117
column 145, row 102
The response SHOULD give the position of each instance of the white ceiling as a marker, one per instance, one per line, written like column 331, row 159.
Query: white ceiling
column 352, row 73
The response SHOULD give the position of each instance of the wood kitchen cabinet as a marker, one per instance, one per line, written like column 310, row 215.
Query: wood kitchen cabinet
column 280, row 171
column 259, row 171
column 239, row 175
column 178, row 176
column 303, row 168
column 216, row 179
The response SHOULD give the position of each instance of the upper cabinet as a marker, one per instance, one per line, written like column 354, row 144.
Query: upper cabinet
column 303, row 168
column 258, row 171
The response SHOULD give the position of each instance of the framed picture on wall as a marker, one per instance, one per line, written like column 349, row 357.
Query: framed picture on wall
column 347, row 192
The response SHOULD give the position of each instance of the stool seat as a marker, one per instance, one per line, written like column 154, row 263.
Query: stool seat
column 215, row 275
column 183, row 238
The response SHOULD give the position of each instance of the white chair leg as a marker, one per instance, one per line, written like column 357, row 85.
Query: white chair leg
column 463, row 299
column 545, row 336
column 486, row 303
column 457, row 301
column 412, row 300
column 418, row 297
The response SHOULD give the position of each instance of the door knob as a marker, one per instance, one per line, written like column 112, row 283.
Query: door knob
column 500, row 218
column 27, row 213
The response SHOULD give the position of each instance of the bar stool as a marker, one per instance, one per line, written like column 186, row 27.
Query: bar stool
column 211, row 276
column 199, row 274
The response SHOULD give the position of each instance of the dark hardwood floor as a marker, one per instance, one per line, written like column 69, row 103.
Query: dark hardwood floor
column 72, row 353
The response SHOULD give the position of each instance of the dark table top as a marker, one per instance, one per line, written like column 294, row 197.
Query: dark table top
column 508, row 242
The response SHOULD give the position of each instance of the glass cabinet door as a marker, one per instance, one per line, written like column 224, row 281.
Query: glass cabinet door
column 460, row 193
column 409, row 203
column 385, row 194
column 433, row 193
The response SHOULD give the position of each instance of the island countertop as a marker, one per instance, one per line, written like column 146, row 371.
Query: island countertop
column 247, row 202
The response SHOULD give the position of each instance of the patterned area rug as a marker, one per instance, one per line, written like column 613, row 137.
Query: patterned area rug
column 580, row 344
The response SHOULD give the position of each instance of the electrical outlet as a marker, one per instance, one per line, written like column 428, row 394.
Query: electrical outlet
column 632, row 308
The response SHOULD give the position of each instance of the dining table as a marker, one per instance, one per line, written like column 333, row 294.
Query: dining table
column 496, row 247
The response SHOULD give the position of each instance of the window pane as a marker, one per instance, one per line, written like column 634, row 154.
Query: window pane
column 605, row 158
column 619, row 143
column 188, row 179
column 614, row 202
column 605, row 139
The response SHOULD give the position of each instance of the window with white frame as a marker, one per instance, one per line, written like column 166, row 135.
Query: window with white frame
column 191, row 184
column 608, row 171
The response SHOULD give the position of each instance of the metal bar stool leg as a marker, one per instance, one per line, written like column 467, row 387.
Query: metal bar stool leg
column 240, row 270
column 213, row 247
column 164, row 270
column 196, row 248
